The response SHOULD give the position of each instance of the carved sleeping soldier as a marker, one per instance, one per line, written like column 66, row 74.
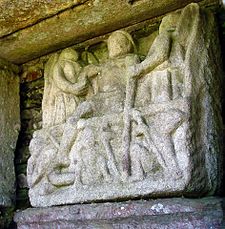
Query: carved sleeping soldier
column 133, row 128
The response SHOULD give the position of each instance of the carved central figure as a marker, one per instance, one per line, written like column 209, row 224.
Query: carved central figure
column 124, row 128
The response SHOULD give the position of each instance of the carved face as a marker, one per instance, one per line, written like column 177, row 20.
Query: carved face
column 69, row 54
column 169, row 23
column 119, row 43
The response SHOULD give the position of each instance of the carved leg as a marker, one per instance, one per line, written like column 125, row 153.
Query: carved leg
column 163, row 145
column 104, row 169
column 137, row 172
column 70, row 133
column 46, row 188
column 112, row 164
column 172, row 167
column 165, row 152
column 78, row 169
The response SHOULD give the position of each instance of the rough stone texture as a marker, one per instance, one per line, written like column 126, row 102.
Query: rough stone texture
column 161, row 214
column 125, row 128
column 15, row 15
column 32, row 85
column 9, row 130
column 91, row 19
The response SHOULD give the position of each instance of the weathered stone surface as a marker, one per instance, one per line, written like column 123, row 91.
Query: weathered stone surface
column 15, row 15
column 91, row 19
column 125, row 128
column 9, row 129
column 6, row 218
column 31, row 93
column 161, row 213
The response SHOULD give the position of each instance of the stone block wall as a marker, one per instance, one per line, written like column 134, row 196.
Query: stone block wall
column 9, row 130
column 31, row 93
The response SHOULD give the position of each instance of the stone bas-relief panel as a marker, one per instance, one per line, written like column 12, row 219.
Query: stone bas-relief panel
column 9, row 130
column 124, row 127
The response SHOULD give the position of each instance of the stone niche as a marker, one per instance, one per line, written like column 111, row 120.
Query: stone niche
column 9, row 130
column 133, row 119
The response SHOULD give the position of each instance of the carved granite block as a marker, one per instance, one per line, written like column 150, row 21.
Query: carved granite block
column 125, row 128
column 9, row 130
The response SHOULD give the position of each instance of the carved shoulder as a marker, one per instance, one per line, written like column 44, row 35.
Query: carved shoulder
column 91, row 70
column 132, row 59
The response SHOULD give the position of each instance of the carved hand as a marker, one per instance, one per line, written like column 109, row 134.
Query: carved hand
column 92, row 71
column 136, row 114
column 134, row 71
column 81, row 87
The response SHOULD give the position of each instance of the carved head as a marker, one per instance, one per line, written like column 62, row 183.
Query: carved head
column 69, row 54
column 169, row 23
column 36, row 145
column 120, row 43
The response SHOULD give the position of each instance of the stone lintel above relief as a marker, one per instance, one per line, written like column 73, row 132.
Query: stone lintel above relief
column 127, row 127
column 16, row 15
column 90, row 19
column 7, row 65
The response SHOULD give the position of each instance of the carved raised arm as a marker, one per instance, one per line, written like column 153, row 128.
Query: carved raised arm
column 158, row 53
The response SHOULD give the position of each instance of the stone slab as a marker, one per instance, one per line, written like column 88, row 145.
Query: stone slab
column 15, row 15
column 91, row 19
column 9, row 129
column 159, row 213
column 112, row 138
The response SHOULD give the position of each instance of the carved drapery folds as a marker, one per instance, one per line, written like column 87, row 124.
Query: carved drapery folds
column 123, row 127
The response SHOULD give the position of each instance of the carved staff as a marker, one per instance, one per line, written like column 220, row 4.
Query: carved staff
column 126, row 137
column 158, row 53
column 106, row 138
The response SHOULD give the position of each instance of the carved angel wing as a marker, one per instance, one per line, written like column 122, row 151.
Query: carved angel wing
column 48, row 76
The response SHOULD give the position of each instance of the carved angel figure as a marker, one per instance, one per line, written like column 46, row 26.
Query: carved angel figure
column 62, row 89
